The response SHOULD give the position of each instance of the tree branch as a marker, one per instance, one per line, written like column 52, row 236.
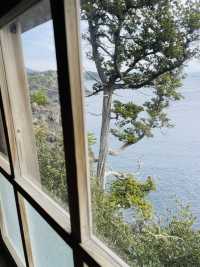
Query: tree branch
column 150, row 78
column 124, row 146
column 95, row 52
column 94, row 93
column 105, row 50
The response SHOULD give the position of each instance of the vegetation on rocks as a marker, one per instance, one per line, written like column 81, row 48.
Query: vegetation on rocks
column 39, row 97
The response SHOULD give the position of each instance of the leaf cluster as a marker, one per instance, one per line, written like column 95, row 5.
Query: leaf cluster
column 128, row 192
column 134, row 122
column 51, row 161
column 39, row 97
column 147, row 241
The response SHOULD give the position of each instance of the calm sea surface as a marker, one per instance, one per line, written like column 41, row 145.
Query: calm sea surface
column 171, row 157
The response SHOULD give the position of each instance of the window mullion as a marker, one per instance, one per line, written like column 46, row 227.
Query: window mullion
column 25, row 148
column 19, row 203
column 22, row 231
column 69, row 80
column 72, row 21
column 57, row 9
column 24, row 218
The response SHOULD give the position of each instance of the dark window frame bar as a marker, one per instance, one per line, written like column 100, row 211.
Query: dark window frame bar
column 12, row 177
column 80, row 255
column 6, row 252
column 58, row 17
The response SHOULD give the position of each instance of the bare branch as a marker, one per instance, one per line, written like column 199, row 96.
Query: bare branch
column 92, row 76
column 94, row 114
column 93, row 93
column 105, row 50
column 106, row 36
column 151, row 78
column 95, row 52
column 120, row 150
column 114, row 173
column 165, row 236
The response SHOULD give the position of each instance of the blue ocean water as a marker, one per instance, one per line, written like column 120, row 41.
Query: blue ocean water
column 171, row 157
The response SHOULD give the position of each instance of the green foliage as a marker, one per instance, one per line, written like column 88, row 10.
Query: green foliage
column 171, row 244
column 133, row 122
column 91, row 139
column 52, row 163
column 46, row 80
column 128, row 192
column 108, row 223
column 145, row 242
column 39, row 97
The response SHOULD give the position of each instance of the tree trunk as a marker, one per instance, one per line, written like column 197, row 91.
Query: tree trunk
column 105, row 129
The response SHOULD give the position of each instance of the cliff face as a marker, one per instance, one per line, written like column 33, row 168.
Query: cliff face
column 46, row 81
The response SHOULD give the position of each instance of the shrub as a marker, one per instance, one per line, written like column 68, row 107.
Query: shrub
column 39, row 97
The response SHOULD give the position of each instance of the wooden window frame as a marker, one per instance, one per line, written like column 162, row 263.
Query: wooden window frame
column 4, row 159
column 101, row 253
column 4, row 163
column 87, row 249
column 17, row 89
column 5, row 237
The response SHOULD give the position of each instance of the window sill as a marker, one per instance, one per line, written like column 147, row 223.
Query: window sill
column 103, row 255
column 4, row 164
column 60, row 215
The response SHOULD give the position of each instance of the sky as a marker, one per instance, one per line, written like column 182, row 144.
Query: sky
column 39, row 50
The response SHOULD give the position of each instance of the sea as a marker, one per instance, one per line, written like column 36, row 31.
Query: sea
column 171, row 157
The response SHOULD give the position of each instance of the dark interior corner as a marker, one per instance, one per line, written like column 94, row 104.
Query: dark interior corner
column 5, row 257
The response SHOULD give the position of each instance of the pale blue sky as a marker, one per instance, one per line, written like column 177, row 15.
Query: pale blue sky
column 39, row 50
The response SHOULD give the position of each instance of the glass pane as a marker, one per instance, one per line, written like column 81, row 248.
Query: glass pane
column 144, row 144
column 47, row 247
column 3, row 147
column 10, row 218
column 37, row 39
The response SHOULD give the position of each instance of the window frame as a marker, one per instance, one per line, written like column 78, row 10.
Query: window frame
column 102, row 254
column 4, row 159
column 86, row 248
column 18, row 89
column 4, row 163
column 6, row 239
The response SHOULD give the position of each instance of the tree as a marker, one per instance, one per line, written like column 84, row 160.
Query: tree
column 138, row 44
